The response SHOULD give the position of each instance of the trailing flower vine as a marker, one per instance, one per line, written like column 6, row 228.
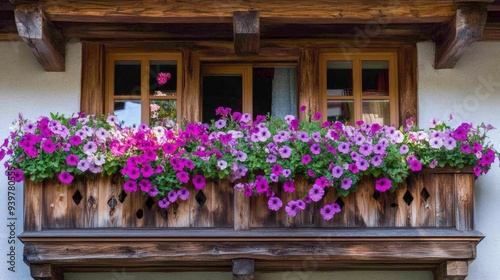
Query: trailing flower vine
column 260, row 155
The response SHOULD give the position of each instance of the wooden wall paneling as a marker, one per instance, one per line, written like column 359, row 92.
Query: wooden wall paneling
column 76, row 212
column 403, row 209
column 241, row 210
column 223, row 204
column 464, row 201
column 46, row 43
column 308, row 84
column 191, row 96
column 33, row 206
column 110, row 210
column 91, row 200
column 408, row 80
column 367, row 208
column 92, row 95
column 202, row 215
column 427, row 202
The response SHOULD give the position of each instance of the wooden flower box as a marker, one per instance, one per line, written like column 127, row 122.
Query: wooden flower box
column 426, row 224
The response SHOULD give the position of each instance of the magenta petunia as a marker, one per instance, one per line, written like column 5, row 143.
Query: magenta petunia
column 75, row 140
column 163, row 203
column 317, row 116
column 383, row 184
column 147, row 171
column 315, row 149
column 130, row 186
column 415, row 165
column 65, row 177
column 306, row 159
column 72, row 160
column 163, row 78
column 261, row 185
column 316, row 193
column 18, row 176
column 145, row 185
column 292, row 208
column 277, row 169
column 49, row 146
column 274, row 203
column 353, row 168
column 199, row 182
column 289, row 186
column 183, row 176
column 477, row 170
column 302, row 108
column 460, row 133
column 327, row 212
column 172, row 196
column 183, row 194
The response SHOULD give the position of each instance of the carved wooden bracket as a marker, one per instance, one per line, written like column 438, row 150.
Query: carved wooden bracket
column 246, row 26
column 45, row 272
column 46, row 43
column 466, row 27
column 452, row 270
column 243, row 269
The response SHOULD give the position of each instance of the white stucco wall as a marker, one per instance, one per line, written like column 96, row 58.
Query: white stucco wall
column 470, row 91
column 26, row 88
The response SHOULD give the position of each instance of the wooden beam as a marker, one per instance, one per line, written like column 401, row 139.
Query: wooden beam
column 45, row 272
column 191, row 96
column 452, row 270
column 466, row 27
column 46, row 43
column 407, row 78
column 92, row 97
column 308, row 84
column 277, row 11
column 243, row 269
column 246, row 28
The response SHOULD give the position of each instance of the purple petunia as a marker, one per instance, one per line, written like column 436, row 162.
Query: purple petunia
column 289, row 186
column 316, row 193
column 306, row 159
column 172, row 196
column 343, row 148
column 49, row 146
column 72, row 160
column 145, row 185
column 199, row 182
column 315, row 149
column 404, row 149
column 285, row 152
column 183, row 176
column 130, row 186
column 163, row 203
column 346, row 183
column 337, row 171
column 274, row 203
column 383, row 184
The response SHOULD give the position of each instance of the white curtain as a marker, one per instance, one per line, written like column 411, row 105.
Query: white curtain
column 284, row 99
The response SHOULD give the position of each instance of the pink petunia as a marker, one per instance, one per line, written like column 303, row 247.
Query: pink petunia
column 65, row 177
column 383, row 184
column 72, row 160
column 289, row 186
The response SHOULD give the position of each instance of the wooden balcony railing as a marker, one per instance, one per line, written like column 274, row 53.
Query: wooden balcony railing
column 94, row 225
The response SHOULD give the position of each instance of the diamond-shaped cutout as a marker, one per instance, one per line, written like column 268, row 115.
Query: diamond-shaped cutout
column 149, row 203
column 77, row 197
column 112, row 203
column 394, row 205
column 139, row 214
column 200, row 198
column 408, row 198
column 376, row 195
column 340, row 202
column 122, row 196
column 425, row 194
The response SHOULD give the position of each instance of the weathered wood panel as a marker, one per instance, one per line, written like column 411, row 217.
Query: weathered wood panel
column 92, row 95
column 33, row 206
column 308, row 84
column 407, row 82
column 464, row 201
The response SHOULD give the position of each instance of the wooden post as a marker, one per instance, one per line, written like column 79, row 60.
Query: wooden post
column 45, row 272
column 464, row 201
column 46, row 43
column 92, row 98
column 243, row 269
column 246, row 28
column 308, row 84
column 452, row 270
column 191, row 95
column 33, row 201
column 408, row 93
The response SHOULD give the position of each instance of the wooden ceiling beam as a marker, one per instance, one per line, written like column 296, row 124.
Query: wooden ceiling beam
column 466, row 27
column 276, row 11
column 46, row 43
column 246, row 32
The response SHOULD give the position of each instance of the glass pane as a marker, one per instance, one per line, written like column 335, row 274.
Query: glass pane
column 376, row 111
column 163, row 112
column 339, row 78
column 274, row 92
column 375, row 77
column 127, row 77
column 128, row 112
column 221, row 90
column 163, row 77
column 341, row 111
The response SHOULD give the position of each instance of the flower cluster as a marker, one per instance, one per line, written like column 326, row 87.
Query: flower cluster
column 260, row 155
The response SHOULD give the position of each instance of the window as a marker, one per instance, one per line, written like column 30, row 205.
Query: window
column 359, row 87
column 144, row 87
column 256, row 89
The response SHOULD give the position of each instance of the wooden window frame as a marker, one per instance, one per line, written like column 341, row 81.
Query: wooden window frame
column 357, row 96
column 144, row 97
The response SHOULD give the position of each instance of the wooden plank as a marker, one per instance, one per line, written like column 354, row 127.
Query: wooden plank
column 46, row 43
column 33, row 206
column 426, row 202
column 407, row 81
column 415, row 186
column 223, row 205
column 55, row 200
column 45, row 272
column 202, row 216
column 278, row 11
column 76, row 212
column 111, row 213
column 367, row 208
column 403, row 210
column 466, row 27
column 191, row 96
column 92, row 94
column 387, row 212
column 444, row 190
column 241, row 210
column 246, row 32
column 464, row 201
column 92, row 201
column 308, row 84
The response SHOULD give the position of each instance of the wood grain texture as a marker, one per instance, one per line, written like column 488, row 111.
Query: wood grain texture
column 466, row 27
column 191, row 96
column 408, row 80
column 452, row 270
column 205, row 11
column 308, row 84
column 464, row 201
column 243, row 269
column 92, row 94
column 33, row 206
column 241, row 210
column 246, row 32
column 46, row 43
column 45, row 272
